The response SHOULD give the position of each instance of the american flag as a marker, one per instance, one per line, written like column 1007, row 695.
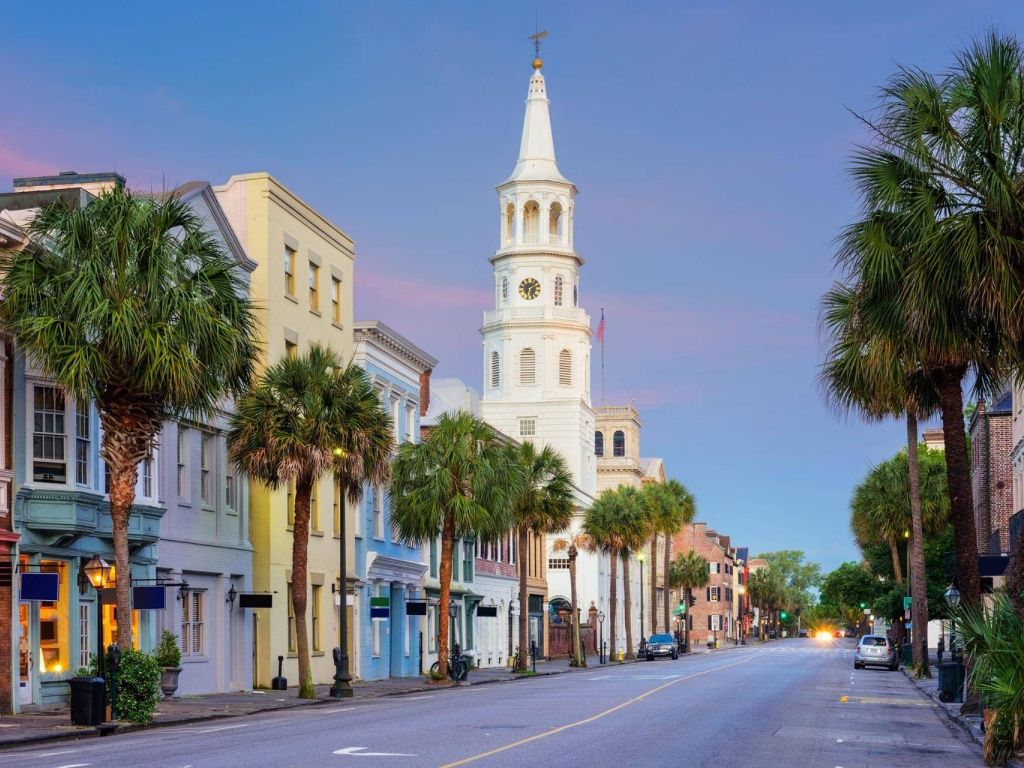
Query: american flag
column 600, row 328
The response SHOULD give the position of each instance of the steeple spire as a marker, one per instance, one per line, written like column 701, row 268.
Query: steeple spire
column 537, row 148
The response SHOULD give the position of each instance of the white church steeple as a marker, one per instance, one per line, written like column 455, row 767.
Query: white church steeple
column 537, row 148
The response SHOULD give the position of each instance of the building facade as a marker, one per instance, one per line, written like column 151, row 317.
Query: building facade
column 388, row 569
column 9, row 237
column 302, row 285
column 711, row 619
column 991, row 432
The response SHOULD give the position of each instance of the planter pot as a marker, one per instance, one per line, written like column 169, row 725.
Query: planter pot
column 169, row 680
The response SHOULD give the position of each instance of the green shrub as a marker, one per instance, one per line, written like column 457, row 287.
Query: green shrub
column 138, row 686
column 167, row 653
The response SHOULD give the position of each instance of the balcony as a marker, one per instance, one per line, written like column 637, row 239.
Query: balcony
column 534, row 238
column 537, row 315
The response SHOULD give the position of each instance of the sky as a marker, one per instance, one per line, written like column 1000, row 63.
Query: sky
column 709, row 141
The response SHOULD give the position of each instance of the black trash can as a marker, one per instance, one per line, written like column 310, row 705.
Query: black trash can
column 951, row 681
column 908, row 655
column 88, row 700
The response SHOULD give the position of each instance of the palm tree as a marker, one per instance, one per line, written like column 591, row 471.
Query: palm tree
column 131, row 303
column 633, row 527
column 571, row 544
column 686, row 511
column 601, row 529
column 306, row 417
column 689, row 571
column 543, row 504
column 457, row 483
column 662, row 513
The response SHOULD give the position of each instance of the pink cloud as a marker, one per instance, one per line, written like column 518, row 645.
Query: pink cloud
column 413, row 293
column 15, row 163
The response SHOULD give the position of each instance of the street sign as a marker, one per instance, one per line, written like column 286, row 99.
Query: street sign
column 907, row 602
column 380, row 607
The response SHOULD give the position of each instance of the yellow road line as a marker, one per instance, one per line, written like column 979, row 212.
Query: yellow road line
column 844, row 699
column 592, row 718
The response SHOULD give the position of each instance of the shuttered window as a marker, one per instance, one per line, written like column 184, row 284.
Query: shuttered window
column 495, row 370
column 527, row 367
column 558, row 291
column 565, row 368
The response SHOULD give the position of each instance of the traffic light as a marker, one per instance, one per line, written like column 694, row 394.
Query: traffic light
column 693, row 600
column 863, row 606
column 783, row 615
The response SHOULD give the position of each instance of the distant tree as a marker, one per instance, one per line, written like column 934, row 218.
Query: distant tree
column 689, row 571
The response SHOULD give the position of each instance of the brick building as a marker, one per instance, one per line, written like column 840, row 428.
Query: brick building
column 711, row 617
column 991, row 431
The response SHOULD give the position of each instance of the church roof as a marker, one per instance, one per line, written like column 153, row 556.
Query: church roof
column 537, row 148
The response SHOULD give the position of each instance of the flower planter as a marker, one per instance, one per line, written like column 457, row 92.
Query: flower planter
column 169, row 680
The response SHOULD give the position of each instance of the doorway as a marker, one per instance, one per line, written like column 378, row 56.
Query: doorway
column 24, row 656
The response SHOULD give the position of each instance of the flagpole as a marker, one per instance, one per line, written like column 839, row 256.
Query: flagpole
column 602, row 355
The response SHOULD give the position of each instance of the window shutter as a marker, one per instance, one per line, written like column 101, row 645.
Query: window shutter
column 558, row 291
column 709, row 623
column 495, row 370
column 707, row 594
column 565, row 368
column 527, row 366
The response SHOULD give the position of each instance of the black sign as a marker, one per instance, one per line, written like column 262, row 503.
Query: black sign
column 42, row 587
column 416, row 608
column 257, row 600
column 148, row 598
column 487, row 610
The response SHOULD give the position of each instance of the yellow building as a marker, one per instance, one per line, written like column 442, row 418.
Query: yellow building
column 302, row 287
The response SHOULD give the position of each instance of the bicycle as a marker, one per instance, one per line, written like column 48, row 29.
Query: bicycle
column 458, row 666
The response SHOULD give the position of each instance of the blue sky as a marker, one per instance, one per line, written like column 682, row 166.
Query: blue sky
column 708, row 140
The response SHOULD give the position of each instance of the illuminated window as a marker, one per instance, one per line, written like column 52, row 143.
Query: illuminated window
column 53, row 623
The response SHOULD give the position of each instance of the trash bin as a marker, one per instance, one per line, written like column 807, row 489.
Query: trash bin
column 951, row 681
column 88, row 700
column 908, row 654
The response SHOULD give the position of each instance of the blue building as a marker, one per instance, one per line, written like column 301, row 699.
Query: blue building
column 389, row 572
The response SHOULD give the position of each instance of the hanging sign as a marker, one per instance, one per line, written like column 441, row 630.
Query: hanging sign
column 487, row 610
column 416, row 608
column 380, row 607
column 148, row 598
column 258, row 600
column 40, row 587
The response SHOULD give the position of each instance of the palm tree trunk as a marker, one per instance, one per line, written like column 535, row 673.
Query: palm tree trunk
column 958, row 477
column 523, row 537
column 654, row 585
column 613, row 594
column 918, row 590
column 577, row 656
column 300, row 583
column 897, row 570
column 122, row 451
column 445, row 579
column 627, row 609
column 667, row 608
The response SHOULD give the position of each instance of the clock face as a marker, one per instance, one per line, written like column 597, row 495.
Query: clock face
column 529, row 289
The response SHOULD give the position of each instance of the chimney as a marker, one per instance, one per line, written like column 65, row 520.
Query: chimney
column 425, row 392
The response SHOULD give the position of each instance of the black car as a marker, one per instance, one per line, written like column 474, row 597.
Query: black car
column 849, row 633
column 662, row 645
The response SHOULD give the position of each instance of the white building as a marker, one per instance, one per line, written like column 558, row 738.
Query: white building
column 536, row 340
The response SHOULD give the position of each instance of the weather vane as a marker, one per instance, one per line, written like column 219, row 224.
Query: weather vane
column 537, row 37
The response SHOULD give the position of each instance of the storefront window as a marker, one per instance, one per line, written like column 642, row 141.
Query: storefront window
column 53, row 623
column 110, row 625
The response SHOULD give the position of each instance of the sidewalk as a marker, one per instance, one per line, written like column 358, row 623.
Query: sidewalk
column 55, row 723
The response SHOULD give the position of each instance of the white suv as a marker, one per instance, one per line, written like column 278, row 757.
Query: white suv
column 875, row 650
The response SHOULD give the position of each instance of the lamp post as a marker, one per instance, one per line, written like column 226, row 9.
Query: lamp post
column 100, row 573
column 511, row 606
column 600, row 624
column 453, row 611
column 641, row 556
column 342, row 688
column 952, row 595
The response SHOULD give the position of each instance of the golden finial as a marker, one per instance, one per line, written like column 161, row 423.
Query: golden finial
column 537, row 37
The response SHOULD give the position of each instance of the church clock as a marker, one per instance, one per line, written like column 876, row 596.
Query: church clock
column 529, row 289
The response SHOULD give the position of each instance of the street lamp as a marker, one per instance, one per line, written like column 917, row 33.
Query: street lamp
column 100, row 574
column 952, row 595
column 342, row 688
column 641, row 556
column 453, row 611
column 600, row 623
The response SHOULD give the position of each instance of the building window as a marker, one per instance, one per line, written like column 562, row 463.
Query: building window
column 527, row 427
column 183, row 462
column 336, row 300
column 82, row 442
column 432, row 629
column 410, row 424
column 55, row 619
column 558, row 291
column 291, row 349
column 467, row 561
column 433, row 558
column 292, row 641
column 715, row 567
column 314, row 506
column 527, row 366
column 565, row 368
column 205, row 467
column 512, row 550
column 48, row 437
column 230, row 489
column 504, row 289
column 192, row 623
column 378, row 512
column 84, row 635
column 599, row 443
column 147, row 477
column 495, row 370
column 289, row 501
column 314, row 612
column 289, row 270
column 396, row 410
column 713, row 594
column 619, row 443
column 314, row 287
column 558, row 563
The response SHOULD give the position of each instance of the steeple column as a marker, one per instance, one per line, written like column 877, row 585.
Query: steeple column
column 520, row 203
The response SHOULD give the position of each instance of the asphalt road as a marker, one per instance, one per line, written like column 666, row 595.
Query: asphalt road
column 793, row 703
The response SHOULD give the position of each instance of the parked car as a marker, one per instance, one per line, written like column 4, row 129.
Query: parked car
column 663, row 646
column 849, row 633
column 802, row 633
column 875, row 650
column 840, row 634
